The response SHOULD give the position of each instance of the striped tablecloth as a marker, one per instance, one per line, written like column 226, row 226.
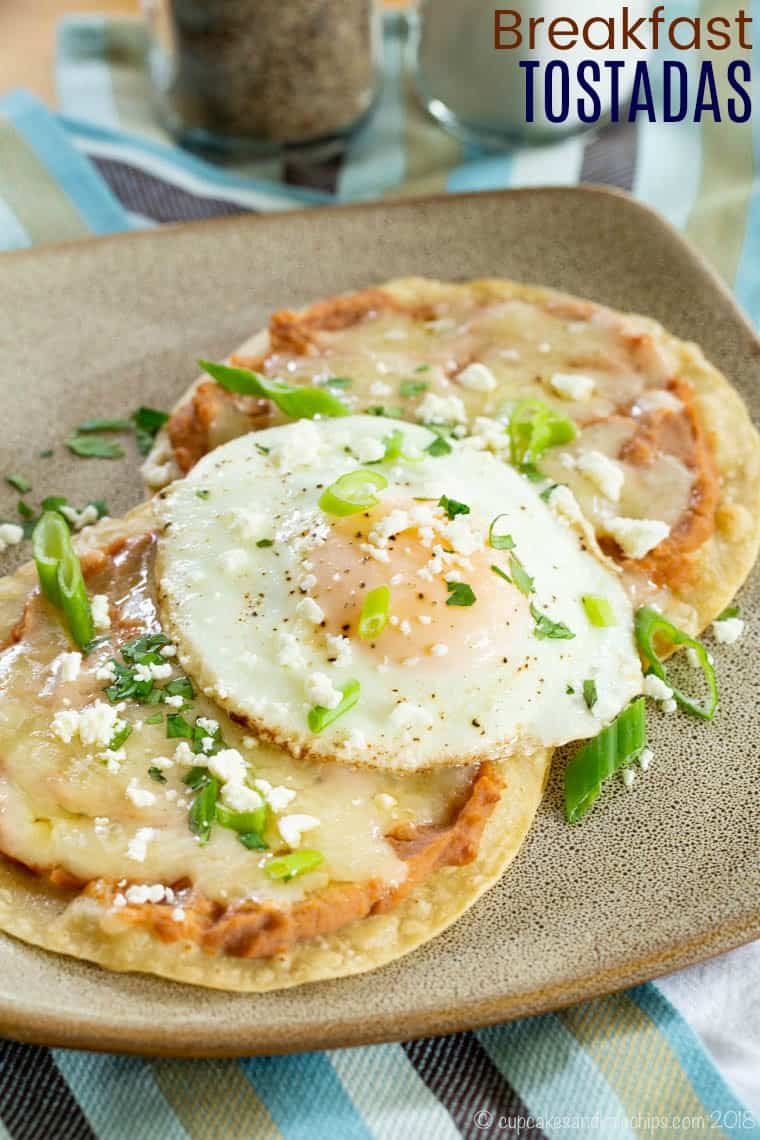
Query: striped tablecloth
column 625, row 1066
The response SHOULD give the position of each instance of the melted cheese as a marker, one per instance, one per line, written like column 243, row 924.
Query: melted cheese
column 98, row 814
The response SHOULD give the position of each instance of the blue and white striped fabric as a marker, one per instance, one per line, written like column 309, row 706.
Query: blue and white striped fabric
column 624, row 1066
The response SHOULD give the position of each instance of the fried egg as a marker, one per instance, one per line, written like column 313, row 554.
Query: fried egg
column 362, row 590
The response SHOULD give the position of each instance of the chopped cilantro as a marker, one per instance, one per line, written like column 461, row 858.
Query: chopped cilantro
column 147, row 422
column 546, row 628
column 460, row 594
column 201, row 494
column 180, row 687
column 202, row 809
column 156, row 774
column 452, row 507
column 119, row 737
column 46, row 454
column 546, row 494
column 422, row 368
column 19, row 483
column 590, row 693
column 178, row 728
column 438, row 447
column 338, row 382
column 408, row 388
column 262, row 450
column 156, row 718
column 264, row 542
column 94, row 447
column 520, row 575
column 104, row 425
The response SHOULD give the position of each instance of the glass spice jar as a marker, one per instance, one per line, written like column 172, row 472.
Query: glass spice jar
column 249, row 77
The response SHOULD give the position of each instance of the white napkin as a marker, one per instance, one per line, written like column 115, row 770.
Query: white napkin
column 720, row 999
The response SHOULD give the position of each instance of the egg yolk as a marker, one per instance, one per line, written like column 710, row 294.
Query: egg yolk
column 423, row 624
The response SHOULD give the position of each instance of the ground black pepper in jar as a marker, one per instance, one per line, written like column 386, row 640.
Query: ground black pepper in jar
column 256, row 75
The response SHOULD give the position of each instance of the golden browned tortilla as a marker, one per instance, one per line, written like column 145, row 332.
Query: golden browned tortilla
column 669, row 420
column 100, row 861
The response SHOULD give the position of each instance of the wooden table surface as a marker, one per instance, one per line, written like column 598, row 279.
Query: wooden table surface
column 27, row 38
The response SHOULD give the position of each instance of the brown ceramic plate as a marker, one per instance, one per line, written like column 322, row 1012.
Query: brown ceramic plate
column 653, row 879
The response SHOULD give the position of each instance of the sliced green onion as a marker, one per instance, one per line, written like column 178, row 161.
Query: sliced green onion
column 298, row 403
column 533, row 427
column 196, row 778
column 394, row 449
column 650, row 624
column 321, row 718
column 60, row 575
column 499, row 541
column 157, row 718
column 253, row 840
column 242, row 821
column 119, row 737
column 590, row 694
column 452, row 507
column 498, row 570
column 615, row 747
column 287, row 867
column 460, row 594
column 546, row 628
column 598, row 610
column 203, row 810
column 728, row 612
column 50, row 542
column 352, row 492
column 375, row 611
column 338, row 382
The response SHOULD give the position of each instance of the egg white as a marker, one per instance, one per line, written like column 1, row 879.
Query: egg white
column 261, row 590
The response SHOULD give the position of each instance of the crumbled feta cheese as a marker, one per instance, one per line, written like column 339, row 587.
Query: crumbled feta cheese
column 98, row 723
column 544, row 346
column 636, row 537
column 656, row 688
column 239, row 797
column 10, row 535
column 292, row 827
column 379, row 389
column 118, row 901
column 645, row 759
column 439, row 650
column 340, row 648
column 441, row 410
column 728, row 631
column 321, row 691
column 299, row 448
column 657, row 400
column 184, row 755
column 228, row 766
column 290, row 655
column 168, row 651
column 163, row 763
column 629, row 776
column 101, row 617
column 152, row 672
column 175, row 702
column 178, row 914
column 308, row 582
column 65, row 725
column 309, row 610
column 607, row 475
column 368, row 450
column 564, row 503
column 669, row 706
column 106, row 672
column 572, row 385
column 137, row 848
column 71, row 664
column 235, row 562
column 477, row 377
column 140, row 893
column 409, row 716
column 246, row 524
column 509, row 353
column 463, row 539
column 278, row 798
column 80, row 519
column 140, row 797
column 208, row 724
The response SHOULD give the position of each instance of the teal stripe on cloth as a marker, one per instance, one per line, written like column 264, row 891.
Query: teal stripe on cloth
column 109, row 1089
column 71, row 170
column 305, row 1097
column 543, row 1061
column 718, row 1099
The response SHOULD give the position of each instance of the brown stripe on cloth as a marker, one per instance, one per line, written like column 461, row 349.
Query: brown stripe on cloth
column 35, row 1100
column 610, row 156
column 155, row 198
column 460, row 1073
